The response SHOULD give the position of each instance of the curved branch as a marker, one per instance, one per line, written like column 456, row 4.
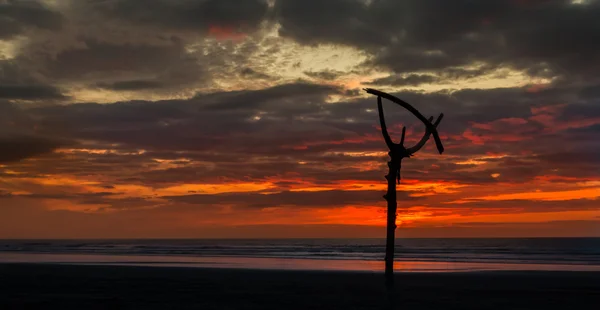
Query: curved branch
column 399, row 101
column 428, row 125
column 438, row 141
column 425, row 137
column 386, row 135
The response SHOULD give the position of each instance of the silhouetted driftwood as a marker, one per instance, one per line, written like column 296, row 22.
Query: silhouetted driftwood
column 397, row 153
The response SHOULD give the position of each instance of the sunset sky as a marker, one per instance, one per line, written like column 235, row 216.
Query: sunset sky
column 246, row 118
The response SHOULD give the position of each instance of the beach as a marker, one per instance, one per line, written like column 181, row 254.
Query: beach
column 299, row 274
column 68, row 286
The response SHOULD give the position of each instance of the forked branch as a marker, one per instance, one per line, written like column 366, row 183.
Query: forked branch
column 428, row 125
column 386, row 135
column 418, row 146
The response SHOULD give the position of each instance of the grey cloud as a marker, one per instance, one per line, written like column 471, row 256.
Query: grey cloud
column 17, row 16
column 410, row 80
column 195, row 15
column 183, row 124
column 123, row 45
column 329, row 75
column 18, row 83
column 333, row 21
column 497, row 32
column 289, row 132
column 109, row 59
column 98, row 60
column 17, row 147
column 591, row 91
column 131, row 85
column 253, row 74
column 416, row 35
column 299, row 127
column 254, row 99
column 452, row 73
column 30, row 92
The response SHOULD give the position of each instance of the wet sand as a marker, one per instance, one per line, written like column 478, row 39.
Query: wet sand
column 52, row 286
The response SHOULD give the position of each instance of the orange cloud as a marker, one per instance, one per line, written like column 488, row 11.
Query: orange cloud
column 587, row 193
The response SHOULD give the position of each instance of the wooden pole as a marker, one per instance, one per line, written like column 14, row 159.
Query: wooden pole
column 392, row 206
column 397, row 153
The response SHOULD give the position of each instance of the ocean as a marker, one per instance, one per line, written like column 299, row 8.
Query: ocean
column 345, row 254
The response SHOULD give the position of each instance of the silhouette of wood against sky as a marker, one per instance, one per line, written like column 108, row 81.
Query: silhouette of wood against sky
column 398, row 152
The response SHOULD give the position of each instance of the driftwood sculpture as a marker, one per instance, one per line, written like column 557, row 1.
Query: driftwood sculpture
column 397, row 153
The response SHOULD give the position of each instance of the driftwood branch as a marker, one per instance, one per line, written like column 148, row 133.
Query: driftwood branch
column 425, row 138
column 397, row 153
column 386, row 135
column 410, row 108
column 403, row 135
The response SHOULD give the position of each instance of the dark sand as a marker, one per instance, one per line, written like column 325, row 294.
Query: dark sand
column 38, row 286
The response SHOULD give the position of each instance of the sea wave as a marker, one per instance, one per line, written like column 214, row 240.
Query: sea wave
column 531, row 251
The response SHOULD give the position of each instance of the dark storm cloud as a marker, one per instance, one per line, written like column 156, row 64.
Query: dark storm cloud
column 413, row 35
column 195, row 15
column 380, row 23
column 177, row 117
column 582, row 163
column 111, row 60
column 30, row 92
column 591, row 91
column 254, row 100
column 290, row 135
column 207, row 111
column 17, row 16
column 223, row 144
column 17, row 147
column 187, row 125
column 591, row 158
column 17, row 83
column 139, row 46
column 299, row 127
column 333, row 21
column 403, row 35
column 264, row 134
